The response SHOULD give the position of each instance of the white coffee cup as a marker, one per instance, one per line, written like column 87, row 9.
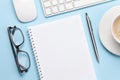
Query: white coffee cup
column 115, row 28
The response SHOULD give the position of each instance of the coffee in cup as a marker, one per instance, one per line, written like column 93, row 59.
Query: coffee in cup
column 115, row 28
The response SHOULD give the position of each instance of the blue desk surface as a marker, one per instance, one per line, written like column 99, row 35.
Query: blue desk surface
column 108, row 69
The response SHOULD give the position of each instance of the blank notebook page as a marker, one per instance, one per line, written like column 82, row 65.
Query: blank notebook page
column 61, row 50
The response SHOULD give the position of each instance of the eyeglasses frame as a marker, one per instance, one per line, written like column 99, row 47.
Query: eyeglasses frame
column 21, row 68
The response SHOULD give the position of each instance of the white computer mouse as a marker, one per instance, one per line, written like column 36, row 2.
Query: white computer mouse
column 25, row 10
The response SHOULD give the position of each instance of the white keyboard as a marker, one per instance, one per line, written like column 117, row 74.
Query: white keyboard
column 53, row 7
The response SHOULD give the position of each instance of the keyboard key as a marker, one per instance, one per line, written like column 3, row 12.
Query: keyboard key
column 61, row 1
column 45, row 0
column 48, row 11
column 68, row 0
column 47, row 4
column 69, row 5
column 77, row 3
column 54, row 2
column 54, row 9
column 61, row 7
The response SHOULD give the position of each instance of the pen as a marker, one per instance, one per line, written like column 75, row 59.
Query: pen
column 92, row 37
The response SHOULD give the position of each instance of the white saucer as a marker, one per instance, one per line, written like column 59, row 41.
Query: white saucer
column 105, row 31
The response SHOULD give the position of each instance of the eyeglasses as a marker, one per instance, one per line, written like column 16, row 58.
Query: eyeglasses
column 22, row 58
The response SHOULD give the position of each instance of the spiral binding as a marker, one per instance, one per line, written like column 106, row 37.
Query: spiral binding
column 35, row 54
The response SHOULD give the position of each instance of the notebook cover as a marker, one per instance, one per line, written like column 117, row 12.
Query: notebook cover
column 61, row 50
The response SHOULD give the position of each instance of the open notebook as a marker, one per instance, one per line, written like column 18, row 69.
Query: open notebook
column 61, row 50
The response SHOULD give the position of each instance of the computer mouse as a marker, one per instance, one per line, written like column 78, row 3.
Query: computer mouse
column 25, row 10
